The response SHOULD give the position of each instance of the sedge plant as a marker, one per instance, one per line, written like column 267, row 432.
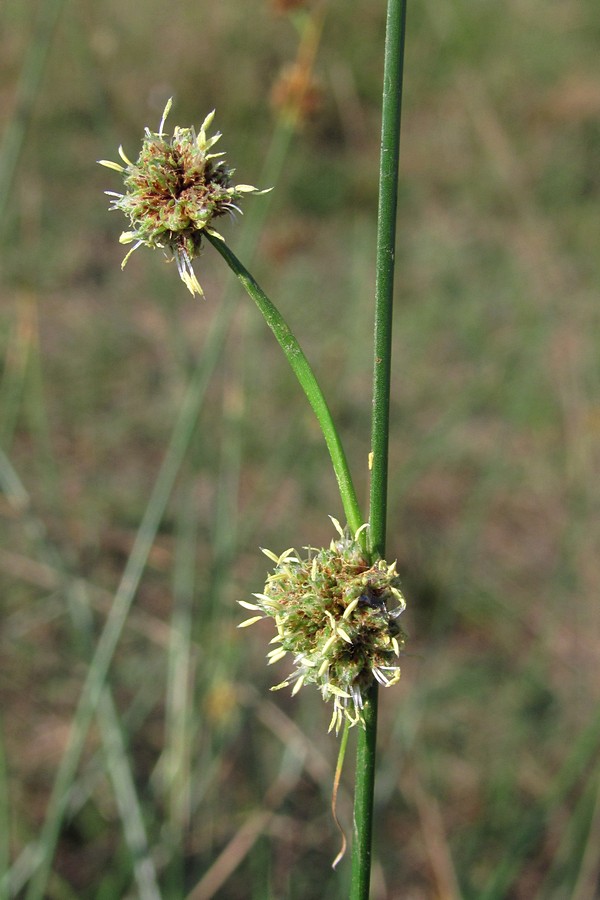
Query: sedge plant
column 335, row 609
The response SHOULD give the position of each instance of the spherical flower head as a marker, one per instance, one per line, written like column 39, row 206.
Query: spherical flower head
column 174, row 191
column 335, row 613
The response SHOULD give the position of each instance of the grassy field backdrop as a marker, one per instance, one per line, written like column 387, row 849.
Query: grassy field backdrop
column 192, row 771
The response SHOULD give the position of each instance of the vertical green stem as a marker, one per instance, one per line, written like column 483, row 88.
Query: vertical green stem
column 386, row 249
column 384, row 292
column 363, row 800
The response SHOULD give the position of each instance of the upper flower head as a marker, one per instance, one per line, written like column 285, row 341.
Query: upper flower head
column 336, row 614
column 173, row 192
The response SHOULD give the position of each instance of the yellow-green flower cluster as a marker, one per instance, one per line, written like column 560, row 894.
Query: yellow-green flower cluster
column 174, row 191
column 336, row 615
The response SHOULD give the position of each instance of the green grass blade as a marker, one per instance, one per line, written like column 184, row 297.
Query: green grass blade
column 127, row 800
column 585, row 748
column 27, row 91
column 175, row 764
column 93, row 686
column 14, row 375
column 108, row 721
column 4, row 821
column 567, row 869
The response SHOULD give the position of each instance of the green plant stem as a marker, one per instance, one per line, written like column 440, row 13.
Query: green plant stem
column 384, row 293
column 384, row 286
column 305, row 375
column 363, row 799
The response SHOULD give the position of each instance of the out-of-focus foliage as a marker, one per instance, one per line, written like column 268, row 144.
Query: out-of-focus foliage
column 494, row 457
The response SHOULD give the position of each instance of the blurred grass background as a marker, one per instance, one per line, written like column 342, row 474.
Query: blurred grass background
column 194, row 775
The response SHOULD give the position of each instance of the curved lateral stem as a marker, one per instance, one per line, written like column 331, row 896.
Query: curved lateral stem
column 305, row 375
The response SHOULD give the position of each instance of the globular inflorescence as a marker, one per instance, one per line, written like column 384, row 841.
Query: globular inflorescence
column 174, row 191
column 336, row 614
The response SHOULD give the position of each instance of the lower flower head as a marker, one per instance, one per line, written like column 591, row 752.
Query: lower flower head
column 336, row 615
column 174, row 191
